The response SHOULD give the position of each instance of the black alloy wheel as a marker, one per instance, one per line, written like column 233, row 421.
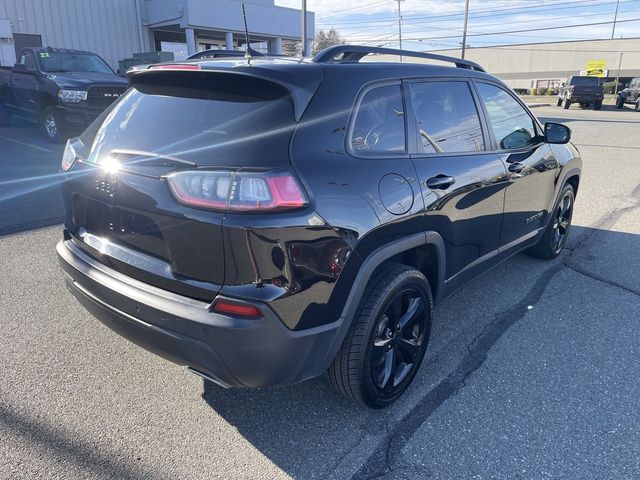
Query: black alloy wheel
column 557, row 231
column 398, row 340
column 562, row 222
column 387, row 338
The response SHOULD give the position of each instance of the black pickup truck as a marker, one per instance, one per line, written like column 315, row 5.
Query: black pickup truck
column 64, row 90
column 583, row 90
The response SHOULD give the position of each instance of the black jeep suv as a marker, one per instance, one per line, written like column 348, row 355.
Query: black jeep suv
column 264, row 222
column 631, row 95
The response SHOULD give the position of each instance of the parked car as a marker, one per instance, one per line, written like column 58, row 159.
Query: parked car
column 583, row 90
column 263, row 224
column 64, row 90
column 630, row 95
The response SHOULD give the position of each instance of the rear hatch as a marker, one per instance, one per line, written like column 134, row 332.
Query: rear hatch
column 120, row 209
column 587, row 86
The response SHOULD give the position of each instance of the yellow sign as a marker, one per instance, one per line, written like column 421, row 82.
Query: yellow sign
column 596, row 68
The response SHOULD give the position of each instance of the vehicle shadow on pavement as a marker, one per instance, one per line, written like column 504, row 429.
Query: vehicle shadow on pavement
column 307, row 430
column 29, row 179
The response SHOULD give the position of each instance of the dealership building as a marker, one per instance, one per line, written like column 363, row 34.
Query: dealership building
column 548, row 64
column 115, row 29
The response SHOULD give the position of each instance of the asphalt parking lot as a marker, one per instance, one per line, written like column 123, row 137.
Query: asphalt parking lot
column 532, row 371
column 29, row 178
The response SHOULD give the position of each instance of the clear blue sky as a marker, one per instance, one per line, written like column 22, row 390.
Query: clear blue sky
column 437, row 24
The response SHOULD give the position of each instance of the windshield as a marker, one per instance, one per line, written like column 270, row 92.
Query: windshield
column 585, row 81
column 207, row 120
column 72, row 62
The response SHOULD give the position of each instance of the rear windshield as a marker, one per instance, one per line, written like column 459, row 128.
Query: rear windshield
column 585, row 81
column 208, row 119
column 72, row 62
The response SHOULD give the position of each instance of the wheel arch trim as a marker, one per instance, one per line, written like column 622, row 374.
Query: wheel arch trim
column 384, row 253
column 369, row 266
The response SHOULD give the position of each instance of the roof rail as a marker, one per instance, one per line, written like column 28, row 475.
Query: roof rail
column 354, row 53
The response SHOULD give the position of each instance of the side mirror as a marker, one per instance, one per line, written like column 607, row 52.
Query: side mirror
column 564, row 84
column 556, row 133
column 22, row 68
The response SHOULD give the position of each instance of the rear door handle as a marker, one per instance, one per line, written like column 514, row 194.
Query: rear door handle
column 516, row 167
column 440, row 182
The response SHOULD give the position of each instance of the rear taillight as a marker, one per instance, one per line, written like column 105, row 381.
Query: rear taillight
column 70, row 154
column 236, row 309
column 240, row 191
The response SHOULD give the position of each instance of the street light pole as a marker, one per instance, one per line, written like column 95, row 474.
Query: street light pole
column 305, row 49
column 464, row 30
column 615, row 94
column 400, row 27
column 615, row 19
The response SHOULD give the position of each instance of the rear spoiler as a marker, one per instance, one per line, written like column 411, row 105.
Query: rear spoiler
column 300, row 81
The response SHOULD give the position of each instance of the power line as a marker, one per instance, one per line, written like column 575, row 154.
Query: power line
column 355, row 9
column 488, row 12
column 556, row 27
column 552, row 18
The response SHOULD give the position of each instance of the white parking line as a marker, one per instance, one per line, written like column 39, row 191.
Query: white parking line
column 42, row 149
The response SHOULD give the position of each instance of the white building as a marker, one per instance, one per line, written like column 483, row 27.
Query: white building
column 547, row 64
column 115, row 29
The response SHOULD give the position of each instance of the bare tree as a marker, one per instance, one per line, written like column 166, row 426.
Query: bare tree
column 291, row 48
column 326, row 39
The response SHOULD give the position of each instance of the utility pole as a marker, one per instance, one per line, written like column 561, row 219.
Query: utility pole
column 618, row 76
column 400, row 27
column 464, row 30
column 305, row 47
column 615, row 19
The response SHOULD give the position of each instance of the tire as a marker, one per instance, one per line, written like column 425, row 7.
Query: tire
column 377, row 361
column 52, row 128
column 559, row 101
column 619, row 102
column 597, row 105
column 550, row 245
column 638, row 105
column 566, row 104
column 5, row 117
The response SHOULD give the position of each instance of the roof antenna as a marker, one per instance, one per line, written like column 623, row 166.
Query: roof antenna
column 249, row 51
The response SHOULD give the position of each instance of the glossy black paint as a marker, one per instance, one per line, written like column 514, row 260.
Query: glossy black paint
column 451, row 215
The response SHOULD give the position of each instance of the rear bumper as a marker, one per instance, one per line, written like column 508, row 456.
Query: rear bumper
column 233, row 352
column 586, row 98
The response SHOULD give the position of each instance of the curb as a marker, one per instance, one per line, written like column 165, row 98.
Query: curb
column 536, row 105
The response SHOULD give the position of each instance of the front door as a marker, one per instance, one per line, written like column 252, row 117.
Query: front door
column 462, row 183
column 25, row 85
column 531, row 165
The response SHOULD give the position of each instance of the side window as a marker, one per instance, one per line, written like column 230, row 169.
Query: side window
column 512, row 125
column 378, row 126
column 29, row 60
column 447, row 118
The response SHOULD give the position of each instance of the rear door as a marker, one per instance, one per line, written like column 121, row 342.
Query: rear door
column 531, row 164
column 462, row 183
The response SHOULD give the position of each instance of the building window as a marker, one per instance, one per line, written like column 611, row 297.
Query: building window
column 548, row 84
